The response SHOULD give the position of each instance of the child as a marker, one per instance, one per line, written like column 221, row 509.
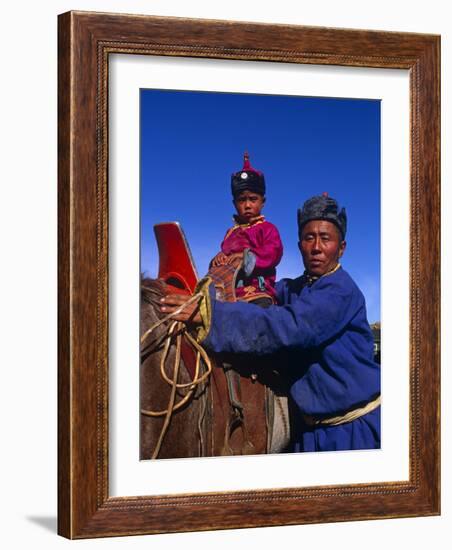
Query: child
column 252, row 239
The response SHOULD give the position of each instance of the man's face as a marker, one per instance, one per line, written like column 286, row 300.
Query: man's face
column 321, row 246
column 248, row 205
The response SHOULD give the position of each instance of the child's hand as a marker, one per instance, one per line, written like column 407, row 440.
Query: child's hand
column 219, row 259
column 222, row 259
column 235, row 259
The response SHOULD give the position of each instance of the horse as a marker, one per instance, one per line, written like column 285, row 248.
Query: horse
column 219, row 407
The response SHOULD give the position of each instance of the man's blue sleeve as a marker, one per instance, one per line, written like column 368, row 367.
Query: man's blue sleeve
column 311, row 319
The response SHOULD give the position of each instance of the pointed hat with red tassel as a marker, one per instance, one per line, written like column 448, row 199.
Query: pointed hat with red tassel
column 248, row 179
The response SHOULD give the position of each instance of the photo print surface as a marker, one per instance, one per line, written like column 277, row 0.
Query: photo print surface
column 249, row 189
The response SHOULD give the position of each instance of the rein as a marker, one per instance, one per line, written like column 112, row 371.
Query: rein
column 177, row 330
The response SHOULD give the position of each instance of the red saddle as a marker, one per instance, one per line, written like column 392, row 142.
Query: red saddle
column 176, row 265
column 177, row 269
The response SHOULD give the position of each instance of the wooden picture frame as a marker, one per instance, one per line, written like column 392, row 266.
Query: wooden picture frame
column 86, row 40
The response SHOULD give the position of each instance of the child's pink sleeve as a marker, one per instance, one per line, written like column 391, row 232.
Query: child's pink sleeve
column 268, row 247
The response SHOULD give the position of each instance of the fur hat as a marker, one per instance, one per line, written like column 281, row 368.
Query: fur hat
column 322, row 207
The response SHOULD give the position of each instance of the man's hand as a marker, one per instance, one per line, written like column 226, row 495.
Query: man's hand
column 190, row 314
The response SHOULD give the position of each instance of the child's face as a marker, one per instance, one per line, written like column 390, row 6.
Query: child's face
column 248, row 205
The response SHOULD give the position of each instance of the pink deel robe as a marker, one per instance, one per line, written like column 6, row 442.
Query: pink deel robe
column 262, row 240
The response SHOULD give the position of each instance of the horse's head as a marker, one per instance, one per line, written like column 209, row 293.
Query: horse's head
column 152, row 290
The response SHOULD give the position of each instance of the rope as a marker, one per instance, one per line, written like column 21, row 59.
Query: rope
column 166, row 318
column 170, row 409
column 179, row 330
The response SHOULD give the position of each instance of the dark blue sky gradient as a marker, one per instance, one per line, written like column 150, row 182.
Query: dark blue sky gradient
column 191, row 142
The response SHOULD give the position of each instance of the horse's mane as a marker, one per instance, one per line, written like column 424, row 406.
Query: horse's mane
column 152, row 290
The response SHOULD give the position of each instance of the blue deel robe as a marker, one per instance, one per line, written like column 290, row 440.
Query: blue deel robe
column 322, row 341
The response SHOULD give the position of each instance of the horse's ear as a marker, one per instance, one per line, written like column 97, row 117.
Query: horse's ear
column 143, row 278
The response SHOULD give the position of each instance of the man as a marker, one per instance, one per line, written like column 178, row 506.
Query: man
column 320, row 332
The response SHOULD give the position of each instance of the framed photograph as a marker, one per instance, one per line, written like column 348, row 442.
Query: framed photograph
column 189, row 139
column 155, row 114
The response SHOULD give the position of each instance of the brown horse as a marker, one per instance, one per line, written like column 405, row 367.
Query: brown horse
column 230, row 411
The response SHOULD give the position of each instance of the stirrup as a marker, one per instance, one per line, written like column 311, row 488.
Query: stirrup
column 235, row 421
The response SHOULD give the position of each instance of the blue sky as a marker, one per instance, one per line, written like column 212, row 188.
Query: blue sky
column 191, row 142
